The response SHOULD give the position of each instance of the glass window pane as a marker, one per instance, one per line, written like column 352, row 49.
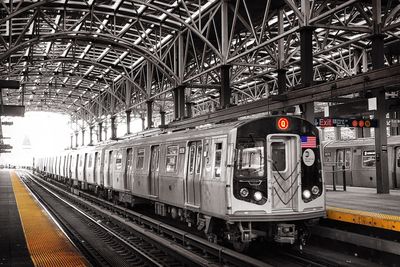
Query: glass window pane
column 171, row 159
column 217, row 160
column 278, row 156
column 191, row 159
column 198, row 158
column 250, row 159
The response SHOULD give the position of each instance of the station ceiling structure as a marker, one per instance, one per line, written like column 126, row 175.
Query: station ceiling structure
column 94, row 59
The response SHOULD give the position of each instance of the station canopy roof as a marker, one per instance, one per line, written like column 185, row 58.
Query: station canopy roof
column 96, row 58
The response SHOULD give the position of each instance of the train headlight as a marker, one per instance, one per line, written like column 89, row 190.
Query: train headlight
column 306, row 194
column 244, row 192
column 257, row 196
column 315, row 190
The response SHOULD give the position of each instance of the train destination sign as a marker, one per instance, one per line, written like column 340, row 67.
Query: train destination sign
column 345, row 122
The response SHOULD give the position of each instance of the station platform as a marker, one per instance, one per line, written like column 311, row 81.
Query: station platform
column 360, row 205
column 28, row 236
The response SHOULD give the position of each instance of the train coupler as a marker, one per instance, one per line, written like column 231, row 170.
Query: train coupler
column 285, row 233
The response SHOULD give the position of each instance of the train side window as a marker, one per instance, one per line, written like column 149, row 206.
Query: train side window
column 140, row 158
column 368, row 159
column 118, row 160
column 217, row 160
column 171, row 158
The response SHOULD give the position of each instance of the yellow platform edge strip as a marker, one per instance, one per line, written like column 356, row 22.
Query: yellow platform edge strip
column 379, row 220
column 47, row 244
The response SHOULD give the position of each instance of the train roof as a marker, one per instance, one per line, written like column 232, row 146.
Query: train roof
column 369, row 141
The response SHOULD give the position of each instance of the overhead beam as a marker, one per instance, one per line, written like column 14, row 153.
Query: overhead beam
column 9, row 84
column 371, row 80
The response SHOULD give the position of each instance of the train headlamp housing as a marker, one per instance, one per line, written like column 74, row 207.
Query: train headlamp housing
column 306, row 194
column 257, row 196
column 315, row 190
column 244, row 192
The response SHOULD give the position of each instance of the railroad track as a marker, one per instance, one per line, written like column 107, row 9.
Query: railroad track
column 162, row 240
column 159, row 243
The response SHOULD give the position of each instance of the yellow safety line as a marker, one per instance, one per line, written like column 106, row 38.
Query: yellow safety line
column 379, row 220
column 47, row 244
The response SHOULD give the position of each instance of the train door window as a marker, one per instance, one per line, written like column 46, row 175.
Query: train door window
column 368, row 158
column 171, row 158
column 192, row 159
column 140, row 158
column 80, row 161
column 118, row 160
column 347, row 161
column 96, row 165
column 217, row 160
column 278, row 150
column 198, row 162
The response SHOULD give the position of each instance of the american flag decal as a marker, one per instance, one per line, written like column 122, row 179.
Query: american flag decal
column 308, row 141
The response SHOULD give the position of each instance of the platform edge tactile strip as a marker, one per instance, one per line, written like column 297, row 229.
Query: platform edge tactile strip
column 372, row 219
column 47, row 244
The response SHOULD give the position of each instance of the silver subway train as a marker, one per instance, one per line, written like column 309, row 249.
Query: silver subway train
column 356, row 160
column 236, row 181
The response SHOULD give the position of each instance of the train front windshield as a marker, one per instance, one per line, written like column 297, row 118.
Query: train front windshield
column 250, row 159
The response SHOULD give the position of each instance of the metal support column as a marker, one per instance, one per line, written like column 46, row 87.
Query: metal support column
column 307, row 67
column 100, row 132
column 76, row 138
column 113, row 128
column 225, row 93
column 149, row 105
column 162, row 119
column 189, row 109
column 282, row 81
column 83, row 137
column 91, row 135
column 179, row 102
column 128, row 121
column 377, row 56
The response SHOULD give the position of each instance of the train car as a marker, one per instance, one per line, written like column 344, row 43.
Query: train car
column 237, row 181
column 355, row 159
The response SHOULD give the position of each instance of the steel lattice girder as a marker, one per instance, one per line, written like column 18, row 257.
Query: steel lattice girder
column 94, row 58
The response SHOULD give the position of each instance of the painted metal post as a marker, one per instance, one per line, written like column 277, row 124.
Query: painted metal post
column 100, row 131
column 128, row 121
column 91, row 135
column 76, row 139
column 225, row 93
column 162, row 118
column 344, row 177
column 377, row 56
column 149, row 104
column 113, row 128
column 306, row 55
column 83, row 137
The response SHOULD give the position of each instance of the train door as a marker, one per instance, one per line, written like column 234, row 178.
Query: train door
column 154, row 170
column 397, row 167
column 284, row 167
column 343, row 159
column 194, row 173
column 128, row 177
